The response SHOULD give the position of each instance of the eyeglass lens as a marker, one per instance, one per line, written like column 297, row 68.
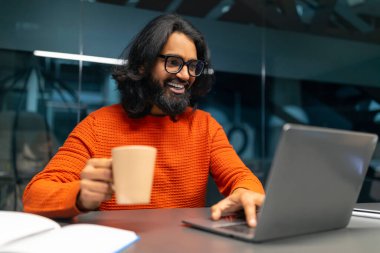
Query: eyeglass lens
column 174, row 65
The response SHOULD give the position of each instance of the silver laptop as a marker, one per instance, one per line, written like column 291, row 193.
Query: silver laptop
column 313, row 185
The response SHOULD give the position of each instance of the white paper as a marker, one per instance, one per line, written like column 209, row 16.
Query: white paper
column 16, row 225
column 70, row 238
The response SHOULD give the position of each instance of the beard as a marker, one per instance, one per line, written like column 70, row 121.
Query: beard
column 167, row 101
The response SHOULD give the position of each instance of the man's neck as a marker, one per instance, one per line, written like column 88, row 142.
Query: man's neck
column 156, row 111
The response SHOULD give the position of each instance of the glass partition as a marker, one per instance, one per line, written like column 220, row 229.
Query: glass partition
column 322, row 61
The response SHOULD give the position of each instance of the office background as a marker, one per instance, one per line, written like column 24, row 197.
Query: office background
column 301, row 61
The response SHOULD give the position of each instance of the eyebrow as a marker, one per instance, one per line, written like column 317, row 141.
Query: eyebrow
column 181, row 57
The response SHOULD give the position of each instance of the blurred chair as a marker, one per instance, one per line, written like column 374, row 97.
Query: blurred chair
column 26, row 145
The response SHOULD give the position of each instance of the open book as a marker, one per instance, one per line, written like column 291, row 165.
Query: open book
column 27, row 233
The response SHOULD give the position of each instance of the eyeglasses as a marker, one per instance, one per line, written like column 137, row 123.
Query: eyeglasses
column 174, row 64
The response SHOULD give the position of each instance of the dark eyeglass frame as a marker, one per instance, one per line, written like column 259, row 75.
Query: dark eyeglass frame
column 187, row 63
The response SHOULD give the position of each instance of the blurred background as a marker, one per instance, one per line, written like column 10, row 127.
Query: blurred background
column 276, row 61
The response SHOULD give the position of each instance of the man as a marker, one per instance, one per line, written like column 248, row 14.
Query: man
column 160, row 84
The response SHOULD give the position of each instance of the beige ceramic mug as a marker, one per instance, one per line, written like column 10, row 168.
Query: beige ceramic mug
column 133, row 170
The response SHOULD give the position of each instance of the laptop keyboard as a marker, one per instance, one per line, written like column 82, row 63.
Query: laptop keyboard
column 240, row 228
column 239, row 224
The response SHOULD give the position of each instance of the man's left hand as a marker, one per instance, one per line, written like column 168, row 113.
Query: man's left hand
column 240, row 199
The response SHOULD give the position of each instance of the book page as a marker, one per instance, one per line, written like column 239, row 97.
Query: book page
column 77, row 238
column 17, row 225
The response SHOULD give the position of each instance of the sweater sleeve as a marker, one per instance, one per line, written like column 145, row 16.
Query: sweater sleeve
column 54, row 190
column 227, row 169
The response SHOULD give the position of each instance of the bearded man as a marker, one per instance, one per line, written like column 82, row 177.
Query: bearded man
column 167, row 70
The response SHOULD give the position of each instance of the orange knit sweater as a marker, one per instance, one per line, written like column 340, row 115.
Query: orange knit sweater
column 187, row 151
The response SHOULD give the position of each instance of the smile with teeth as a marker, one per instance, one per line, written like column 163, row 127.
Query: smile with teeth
column 176, row 87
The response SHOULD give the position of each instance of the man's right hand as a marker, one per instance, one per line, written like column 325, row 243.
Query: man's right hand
column 95, row 184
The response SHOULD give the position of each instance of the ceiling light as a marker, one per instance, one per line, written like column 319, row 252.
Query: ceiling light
column 79, row 57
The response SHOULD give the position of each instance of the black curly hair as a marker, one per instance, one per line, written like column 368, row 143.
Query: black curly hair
column 142, row 53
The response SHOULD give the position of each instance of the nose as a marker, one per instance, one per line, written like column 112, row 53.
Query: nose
column 184, row 73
